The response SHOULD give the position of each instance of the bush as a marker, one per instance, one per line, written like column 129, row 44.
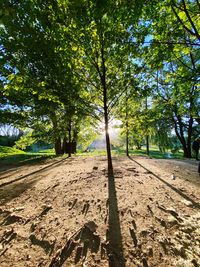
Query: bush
column 8, row 140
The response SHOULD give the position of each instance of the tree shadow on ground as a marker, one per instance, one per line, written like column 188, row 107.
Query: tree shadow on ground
column 188, row 161
column 42, row 243
column 195, row 204
column 14, row 188
column 116, row 258
column 57, row 163
column 10, row 162
column 80, row 243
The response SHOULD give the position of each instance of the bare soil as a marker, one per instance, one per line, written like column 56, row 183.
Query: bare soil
column 73, row 213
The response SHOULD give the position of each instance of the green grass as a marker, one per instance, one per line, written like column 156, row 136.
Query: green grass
column 45, row 151
column 5, row 150
column 92, row 153
column 154, row 153
column 12, row 156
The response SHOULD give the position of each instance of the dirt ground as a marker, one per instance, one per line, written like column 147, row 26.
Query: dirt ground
column 71, row 213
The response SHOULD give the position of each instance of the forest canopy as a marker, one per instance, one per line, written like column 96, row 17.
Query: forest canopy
column 65, row 65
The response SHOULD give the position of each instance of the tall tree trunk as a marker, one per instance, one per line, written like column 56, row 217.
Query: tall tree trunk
column 64, row 145
column 147, row 136
column 180, row 135
column 127, row 139
column 186, row 150
column 70, row 140
column 147, row 144
column 189, row 137
column 74, row 140
column 58, row 148
column 191, row 120
column 103, row 81
column 110, row 167
column 127, row 129
column 75, row 136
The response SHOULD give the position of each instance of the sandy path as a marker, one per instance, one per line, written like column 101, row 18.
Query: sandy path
column 142, row 217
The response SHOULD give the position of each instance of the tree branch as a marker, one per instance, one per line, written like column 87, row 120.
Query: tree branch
column 181, row 22
column 198, row 4
column 190, row 20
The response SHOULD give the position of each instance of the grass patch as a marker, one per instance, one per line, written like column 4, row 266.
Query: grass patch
column 12, row 156
column 92, row 153
column 5, row 150
column 154, row 153
column 45, row 151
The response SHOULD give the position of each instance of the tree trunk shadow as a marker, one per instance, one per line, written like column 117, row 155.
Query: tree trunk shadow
column 195, row 204
column 116, row 258
column 54, row 164
column 14, row 188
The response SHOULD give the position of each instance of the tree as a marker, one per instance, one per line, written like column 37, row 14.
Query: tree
column 37, row 70
column 179, row 100
column 100, row 32
column 173, row 57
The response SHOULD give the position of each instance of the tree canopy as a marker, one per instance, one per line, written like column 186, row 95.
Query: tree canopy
column 65, row 64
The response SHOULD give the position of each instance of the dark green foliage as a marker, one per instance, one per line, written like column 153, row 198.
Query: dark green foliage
column 63, row 63
column 7, row 140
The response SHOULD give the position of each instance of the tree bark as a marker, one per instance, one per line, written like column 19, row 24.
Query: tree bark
column 127, row 128
column 127, row 139
column 70, row 140
column 180, row 134
column 64, row 148
column 58, row 148
column 147, row 136
column 147, row 144
column 103, row 81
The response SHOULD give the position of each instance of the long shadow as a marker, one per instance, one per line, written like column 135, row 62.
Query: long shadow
column 32, row 173
column 116, row 258
column 15, row 190
column 43, row 244
column 191, row 162
column 195, row 204
column 14, row 161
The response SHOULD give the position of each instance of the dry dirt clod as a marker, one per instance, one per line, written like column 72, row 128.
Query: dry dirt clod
column 91, row 226
column 28, row 257
column 95, row 168
column 144, row 233
column 19, row 208
column 173, row 177
column 187, row 203
column 45, row 210
column 12, row 218
column 8, row 232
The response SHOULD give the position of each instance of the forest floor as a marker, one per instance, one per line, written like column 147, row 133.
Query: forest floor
column 70, row 212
